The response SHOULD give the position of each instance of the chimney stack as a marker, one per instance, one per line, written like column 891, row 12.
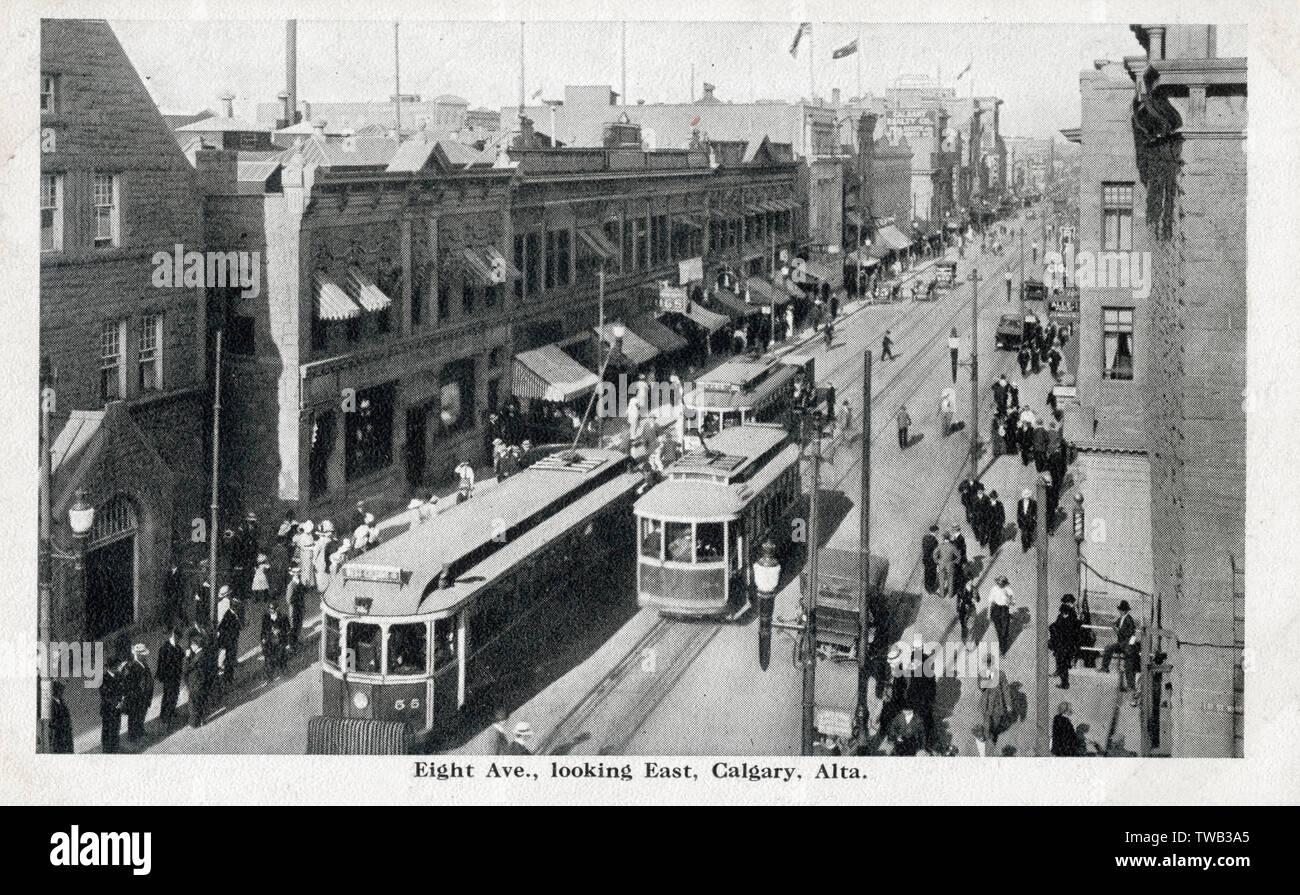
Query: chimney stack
column 866, row 162
column 291, row 67
column 228, row 105
column 708, row 92
column 286, row 114
column 835, row 96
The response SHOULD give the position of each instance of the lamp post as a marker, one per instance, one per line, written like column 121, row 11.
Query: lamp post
column 974, row 373
column 767, row 575
column 1079, row 521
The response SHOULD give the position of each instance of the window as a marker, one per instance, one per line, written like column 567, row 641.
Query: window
column 533, row 263
column 444, row 302
column 562, row 240
column 51, row 212
column 629, row 246
column 247, row 140
column 550, row 259
column 519, row 265
column 369, row 431
column 467, row 297
column 652, row 538
column 408, row 648
column 112, row 373
column 710, row 542
column 1117, row 343
column 457, row 395
column 492, row 294
column 49, row 93
column 318, row 459
column 151, row 340
column 445, row 641
column 363, row 647
column 1117, row 216
column 679, row 541
column 331, row 641
column 642, row 243
column 107, row 224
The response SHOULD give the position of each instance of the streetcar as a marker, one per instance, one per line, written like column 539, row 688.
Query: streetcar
column 746, row 390
column 698, row 529
column 412, row 618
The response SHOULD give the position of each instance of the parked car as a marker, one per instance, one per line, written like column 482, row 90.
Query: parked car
column 1012, row 329
column 1033, row 290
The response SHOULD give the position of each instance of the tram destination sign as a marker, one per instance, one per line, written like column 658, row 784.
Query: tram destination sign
column 355, row 571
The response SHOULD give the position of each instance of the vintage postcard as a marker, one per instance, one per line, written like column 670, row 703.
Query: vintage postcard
column 549, row 405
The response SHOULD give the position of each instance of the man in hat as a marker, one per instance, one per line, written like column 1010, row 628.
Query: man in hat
column 996, row 520
column 1000, row 394
column 1066, row 742
column 275, row 637
column 1125, row 637
column 137, row 691
column 304, row 543
column 904, row 422
column 923, row 692
column 171, row 664
column 229, row 626
column 959, row 544
column 365, row 535
column 1063, row 639
column 967, row 596
column 906, row 733
column 61, row 741
column 929, row 544
column 946, row 559
column 110, row 709
column 200, row 677
column 886, row 347
column 1001, row 601
column 1040, row 446
column 285, row 535
column 295, row 597
column 896, row 682
column 499, row 451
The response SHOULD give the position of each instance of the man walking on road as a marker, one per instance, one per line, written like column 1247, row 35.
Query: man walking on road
column 1063, row 639
column 929, row 544
column 886, row 347
column 904, row 422
column 954, row 347
column 171, row 662
column 997, row 520
column 1001, row 601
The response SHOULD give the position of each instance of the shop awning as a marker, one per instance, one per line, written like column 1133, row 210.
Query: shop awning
column 814, row 270
column 550, row 374
column 636, row 349
column 760, row 290
column 657, row 334
column 711, row 321
column 861, row 257
column 735, row 306
column 368, row 295
column 595, row 239
column 332, row 303
column 892, row 238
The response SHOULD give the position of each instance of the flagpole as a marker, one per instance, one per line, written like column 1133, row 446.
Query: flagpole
column 812, row 86
column 858, row 53
column 521, row 74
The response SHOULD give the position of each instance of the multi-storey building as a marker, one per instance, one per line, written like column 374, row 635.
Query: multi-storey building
column 122, row 339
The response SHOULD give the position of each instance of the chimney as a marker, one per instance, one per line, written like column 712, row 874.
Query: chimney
column 866, row 161
column 291, row 67
column 286, row 113
column 708, row 92
column 228, row 105
column 835, row 96
column 525, row 132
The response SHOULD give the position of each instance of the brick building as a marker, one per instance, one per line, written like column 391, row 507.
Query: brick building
column 1189, row 125
column 126, row 355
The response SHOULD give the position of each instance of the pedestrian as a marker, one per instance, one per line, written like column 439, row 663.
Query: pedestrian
column 363, row 536
column 906, row 733
column 1011, row 431
column 200, row 677
column 998, row 434
column 174, row 594
column 980, row 518
column 295, row 598
column 275, row 638
column 171, row 665
column 845, row 420
column 1056, row 458
column 340, row 556
column 320, row 555
column 1053, row 489
column 466, row 474
column 946, row 559
column 428, row 509
column 305, row 544
column 1125, row 636
column 1040, row 446
column 1023, row 358
column 137, row 691
column 1063, row 639
column 891, row 687
column 61, row 741
column 954, row 346
column 1066, row 742
column 1013, row 395
column 886, row 347
column 229, row 628
column 261, row 588
column 110, row 709
column 976, row 494
column 1000, row 393
column 284, row 537
column 904, row 421
column 1001, row 600
column 739, row 340
column 995, row 704
column 522, row 741
column 997, row 521
column 947, row 410
column 959, row 544
column 358, row 516
column 1027, row 519
column 929, row 544
column 922, row 693
column 966, row 490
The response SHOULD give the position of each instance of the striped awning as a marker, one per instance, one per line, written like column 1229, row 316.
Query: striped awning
column 711, row 321
column 737, row 307
column 550, row 374
column 595, row 239
column 657, row 334
column 332, row 303
column 636, row 349
column 761, row 291
column 367, row 294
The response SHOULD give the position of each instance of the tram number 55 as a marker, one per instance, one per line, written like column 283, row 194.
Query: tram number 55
column 402, row 705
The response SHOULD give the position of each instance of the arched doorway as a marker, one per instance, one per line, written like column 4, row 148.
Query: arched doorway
column 111, row 568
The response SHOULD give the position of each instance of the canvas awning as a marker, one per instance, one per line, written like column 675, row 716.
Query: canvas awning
column 760, row 290
column 636, row 349
column 332, row 303
column 551, row 375
column 367, row 294
column 816, row 271
column 892, row 238
column 735, row 306
column 711, row 321
column 657, row 334
column 861, row 257
column 594, row 238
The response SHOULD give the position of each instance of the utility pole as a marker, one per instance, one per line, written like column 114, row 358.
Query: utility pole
column 974, row 373
column 213, row 532
column 624, row 61
column 1042, row 715
column 45, row 570
column 397, row 81
column 810, row 602
column 864, row 540
column 1022, row 269
column 521, row 76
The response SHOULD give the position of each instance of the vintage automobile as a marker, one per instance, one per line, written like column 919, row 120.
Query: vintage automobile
column 1033, row 290
column 1012, row 329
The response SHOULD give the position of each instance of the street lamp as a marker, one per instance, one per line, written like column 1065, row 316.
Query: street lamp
column 81, row 517
column 1079, row 520
column 767, row 575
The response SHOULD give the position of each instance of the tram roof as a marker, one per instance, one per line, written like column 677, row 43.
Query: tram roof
column 422, row 552
column 705, row 500
column 733, row 452
column 737, row 397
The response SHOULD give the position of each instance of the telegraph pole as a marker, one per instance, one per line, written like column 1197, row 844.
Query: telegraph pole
column 974, row 373
column 213, row 532
column 1042, row 715
column 864, row 539
column 810, row 603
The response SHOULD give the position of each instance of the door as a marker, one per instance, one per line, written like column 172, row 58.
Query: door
column 110, row 587
column 415, row 432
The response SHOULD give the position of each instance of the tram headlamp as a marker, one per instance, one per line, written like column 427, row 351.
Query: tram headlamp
column 360, row 700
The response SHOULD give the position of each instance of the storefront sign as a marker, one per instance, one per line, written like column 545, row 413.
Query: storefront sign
column 673, row 298
column 691, row 270
column 1063, row 308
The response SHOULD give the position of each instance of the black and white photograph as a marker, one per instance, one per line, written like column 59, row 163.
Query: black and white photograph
column 696, row 399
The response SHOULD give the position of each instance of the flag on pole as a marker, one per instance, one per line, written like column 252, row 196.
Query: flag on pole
column 804, row 28
column 847, row 50
column 966, row 69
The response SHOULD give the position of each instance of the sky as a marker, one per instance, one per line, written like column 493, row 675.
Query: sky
column 1033, row 68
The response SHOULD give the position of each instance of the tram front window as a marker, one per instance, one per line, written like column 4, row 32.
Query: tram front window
column 444, row 642
column 680, row 542
column 363, row 647
column 331, row 641
column 652, row 538
column 407, row 648
column 709, row 541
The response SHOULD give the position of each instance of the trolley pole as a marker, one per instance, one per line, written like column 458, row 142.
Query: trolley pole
column 214, row 504
column 974, row 373
column 810, row 604
column 1042, row 715
column 864, row 540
